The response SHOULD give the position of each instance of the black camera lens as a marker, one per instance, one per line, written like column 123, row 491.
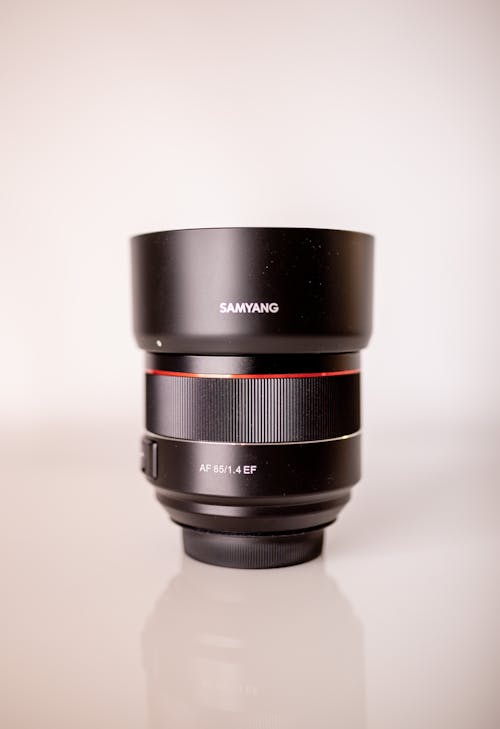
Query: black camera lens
column 252, row 383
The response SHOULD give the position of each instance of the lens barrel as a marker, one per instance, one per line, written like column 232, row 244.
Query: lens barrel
column 252, row 383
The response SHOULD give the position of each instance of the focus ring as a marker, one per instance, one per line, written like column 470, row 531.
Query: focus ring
column 263, row 409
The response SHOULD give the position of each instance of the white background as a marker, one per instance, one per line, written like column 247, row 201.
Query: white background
column 121, row 117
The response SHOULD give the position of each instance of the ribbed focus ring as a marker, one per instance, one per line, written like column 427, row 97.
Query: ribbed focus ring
column 254, row 409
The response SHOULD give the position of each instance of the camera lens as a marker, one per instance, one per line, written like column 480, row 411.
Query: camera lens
column 253, row 423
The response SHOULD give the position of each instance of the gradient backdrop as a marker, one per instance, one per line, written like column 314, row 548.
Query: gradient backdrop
column 125, row 117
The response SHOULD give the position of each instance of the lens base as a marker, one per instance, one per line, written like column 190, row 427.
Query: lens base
column 252, row 551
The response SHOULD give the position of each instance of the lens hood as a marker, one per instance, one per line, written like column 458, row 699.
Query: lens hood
column 252, row 290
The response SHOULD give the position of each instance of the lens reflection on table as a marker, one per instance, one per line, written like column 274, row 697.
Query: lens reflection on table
column 244, row 648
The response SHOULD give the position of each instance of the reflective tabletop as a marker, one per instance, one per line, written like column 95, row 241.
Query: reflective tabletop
column 105, row 622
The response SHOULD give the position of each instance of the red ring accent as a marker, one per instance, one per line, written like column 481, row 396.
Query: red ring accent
column 255, row 377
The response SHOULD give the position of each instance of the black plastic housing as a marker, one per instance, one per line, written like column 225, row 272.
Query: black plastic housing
column 320, row 279
column 252, row 383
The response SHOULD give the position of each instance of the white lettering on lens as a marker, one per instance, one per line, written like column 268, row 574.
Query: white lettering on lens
column 249, row 307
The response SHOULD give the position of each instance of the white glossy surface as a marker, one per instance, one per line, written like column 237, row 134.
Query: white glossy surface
column 106, row 624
